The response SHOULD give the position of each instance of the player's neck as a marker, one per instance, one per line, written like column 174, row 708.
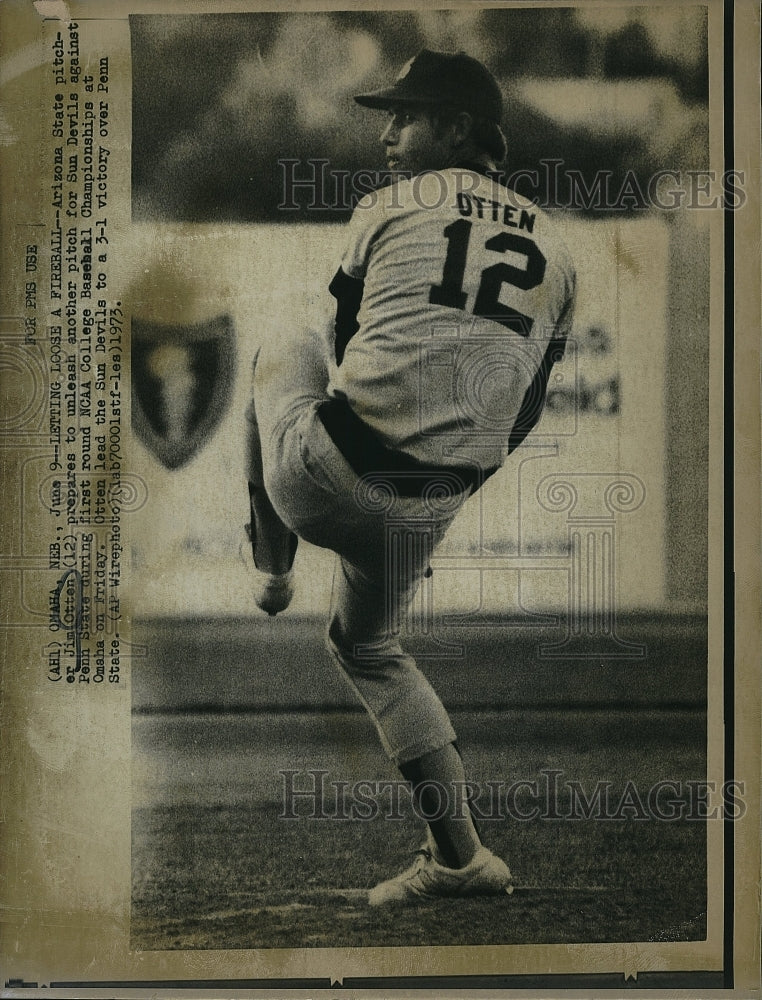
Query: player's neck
column 469, row 158
column 479, row 164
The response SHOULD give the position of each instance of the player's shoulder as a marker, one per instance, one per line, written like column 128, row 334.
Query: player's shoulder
column 375, row 209
column 407, row 201
column 403, row 193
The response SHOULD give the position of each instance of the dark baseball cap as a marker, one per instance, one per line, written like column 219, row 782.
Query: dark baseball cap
column 435, row 78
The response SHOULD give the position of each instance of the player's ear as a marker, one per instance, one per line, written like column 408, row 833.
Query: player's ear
column 461, row 127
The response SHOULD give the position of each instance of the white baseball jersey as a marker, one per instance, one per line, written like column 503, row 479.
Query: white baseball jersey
column 455, row 296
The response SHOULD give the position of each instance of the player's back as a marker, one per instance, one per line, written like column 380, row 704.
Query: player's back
column 466, row 284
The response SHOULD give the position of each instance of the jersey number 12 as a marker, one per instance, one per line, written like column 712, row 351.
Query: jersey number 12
column 450, row 291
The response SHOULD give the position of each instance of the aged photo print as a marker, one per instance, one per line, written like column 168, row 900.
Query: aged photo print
column 382, row 427
column 564, row 623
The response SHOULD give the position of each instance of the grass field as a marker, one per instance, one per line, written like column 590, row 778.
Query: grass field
column 215, row 867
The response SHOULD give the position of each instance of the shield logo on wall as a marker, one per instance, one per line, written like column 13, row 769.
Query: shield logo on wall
column 182, row 381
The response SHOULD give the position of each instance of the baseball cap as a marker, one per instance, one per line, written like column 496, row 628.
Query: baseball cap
column 434, row 78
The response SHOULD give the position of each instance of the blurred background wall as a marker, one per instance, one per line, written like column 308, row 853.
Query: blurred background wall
column 219, row 99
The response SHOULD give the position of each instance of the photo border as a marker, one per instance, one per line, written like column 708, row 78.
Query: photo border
column 733, row 545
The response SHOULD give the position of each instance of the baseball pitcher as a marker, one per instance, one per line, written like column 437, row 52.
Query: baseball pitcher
column 453, row 299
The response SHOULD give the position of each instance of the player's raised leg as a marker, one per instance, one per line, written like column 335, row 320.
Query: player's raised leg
column 285, row 380
column 269, row 547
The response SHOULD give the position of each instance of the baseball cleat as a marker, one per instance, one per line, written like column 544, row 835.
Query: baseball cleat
column 272, row 592
column 485, row 875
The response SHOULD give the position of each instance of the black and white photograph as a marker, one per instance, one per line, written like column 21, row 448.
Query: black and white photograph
column 467, row 479
column 381, row 405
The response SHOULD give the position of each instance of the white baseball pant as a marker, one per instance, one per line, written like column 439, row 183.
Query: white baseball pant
column 318, row 496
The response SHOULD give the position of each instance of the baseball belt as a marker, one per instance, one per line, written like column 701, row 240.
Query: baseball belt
column 366, row 454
